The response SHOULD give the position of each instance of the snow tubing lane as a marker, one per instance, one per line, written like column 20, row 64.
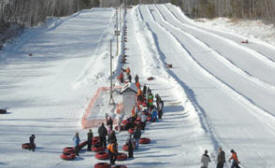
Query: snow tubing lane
column 102, row 155
column 27, row 146
column 67, row 157
column 102, row 165
column 119, row 166
column 144, row 141
column 98, row 149
column 68, row 150
column 121, row 156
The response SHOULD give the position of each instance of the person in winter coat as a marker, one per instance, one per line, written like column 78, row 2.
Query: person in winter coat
column 205, row 159
column 150, row 100
column 130, row 78
column 76, row 140
column 32, row 144
column 154, row 115
column 89, row 139
column 136, row 79
column 160, row 105
column 144, row 90
column 112, row 137
column 130, row 147
column 112, row 150
column 221, row 158
column 234, row 157
column 121, row 77
column 143, row 119
column 137, row 135
column 110, row 122
column 102, row 132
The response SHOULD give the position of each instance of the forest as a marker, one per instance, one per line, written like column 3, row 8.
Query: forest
column 248, row 9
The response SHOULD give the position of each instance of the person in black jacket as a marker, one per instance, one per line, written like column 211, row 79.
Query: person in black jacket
column 137, row 135
column 32, row 144
column 130, row 147
column 102, row 132
column 110, row 122
column 221, row 158
column 112, row 137
column 89, row 139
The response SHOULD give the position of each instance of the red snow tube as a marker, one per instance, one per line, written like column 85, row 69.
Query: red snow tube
column 131, row 130
column 119, row 166
column 83, row 144
column 144, row 140
column 137, row 122
column 67, row 156
column 102, row 155
column 102, row 165
column 125, row 147
column 98, row 149
column 68, row 150
column 27, row 146
column 149, row 118
column 121, row 156
column 124, row 122
column 95, row 140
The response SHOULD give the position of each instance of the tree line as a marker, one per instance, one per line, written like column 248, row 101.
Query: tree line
column 251, row 9
column 31, row 12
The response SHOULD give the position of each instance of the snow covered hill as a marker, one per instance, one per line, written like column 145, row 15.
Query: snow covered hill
column 219, row 92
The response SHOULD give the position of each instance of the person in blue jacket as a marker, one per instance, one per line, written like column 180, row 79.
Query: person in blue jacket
column 154, row 115
column 76, row 140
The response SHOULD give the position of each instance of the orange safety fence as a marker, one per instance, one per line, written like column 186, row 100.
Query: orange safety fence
column 96, row 122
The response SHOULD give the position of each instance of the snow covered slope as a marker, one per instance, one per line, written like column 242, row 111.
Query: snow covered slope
column 218, row 93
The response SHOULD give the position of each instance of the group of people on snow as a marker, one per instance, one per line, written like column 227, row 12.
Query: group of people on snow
column 205, row 159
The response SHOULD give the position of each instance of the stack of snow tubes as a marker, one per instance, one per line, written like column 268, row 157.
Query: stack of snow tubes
column 69, row 152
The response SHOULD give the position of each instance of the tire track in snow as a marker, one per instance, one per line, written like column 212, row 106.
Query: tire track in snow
column 267, row 118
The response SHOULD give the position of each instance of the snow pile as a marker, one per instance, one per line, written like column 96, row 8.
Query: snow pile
column 251, row 29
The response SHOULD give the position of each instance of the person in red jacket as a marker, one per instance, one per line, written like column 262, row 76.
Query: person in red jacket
column 234, row 157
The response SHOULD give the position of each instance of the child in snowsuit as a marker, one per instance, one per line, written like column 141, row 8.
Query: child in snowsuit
column 154, row 115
